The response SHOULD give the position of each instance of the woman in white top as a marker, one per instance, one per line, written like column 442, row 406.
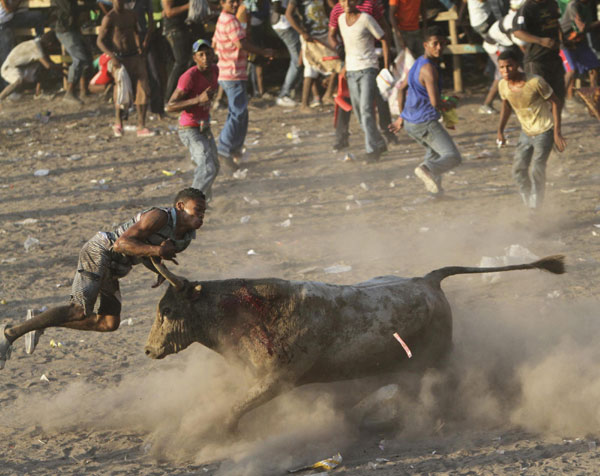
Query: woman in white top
column 359, row 32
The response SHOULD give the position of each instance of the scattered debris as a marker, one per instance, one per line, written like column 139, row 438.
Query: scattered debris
column 30, row 243
column 423, row 229
column 338, row 268
column 349, row 157
column 285, row 223
column 75, row 157
column 169, row 173
column 364, row 186
column 240, row 174
column 251, row 252
column 41, row 172
column 245, row 219
column 252, row 201
column 554, row 294
column 514, row 254
column 327, row 464
column 27, row 221
column 43, row 378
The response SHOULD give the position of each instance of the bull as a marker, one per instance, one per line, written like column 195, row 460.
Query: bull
column 291, row 333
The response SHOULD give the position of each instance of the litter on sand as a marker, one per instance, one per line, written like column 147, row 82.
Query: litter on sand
column 43, row 378
column 403, row 344
column 27, row 221
column 240, row 174
column 326, row 464
column 245, row 219
column 514, row 254
column 338, row 268
column 41, row 172
column 30, row 243
column 251, row 252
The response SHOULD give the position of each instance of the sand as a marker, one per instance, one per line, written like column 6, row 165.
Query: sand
column 520, row 394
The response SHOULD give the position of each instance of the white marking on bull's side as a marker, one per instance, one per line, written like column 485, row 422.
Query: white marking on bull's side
column 406, row 349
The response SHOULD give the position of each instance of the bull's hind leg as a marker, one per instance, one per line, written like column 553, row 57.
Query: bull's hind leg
column 260, row 393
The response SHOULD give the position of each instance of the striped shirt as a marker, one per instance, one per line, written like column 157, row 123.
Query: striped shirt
column 232, row 60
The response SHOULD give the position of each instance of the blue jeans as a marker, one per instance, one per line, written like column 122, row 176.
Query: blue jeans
column 291, row 39
column 204, row 153
column 76, row 48
column 534, row 151
column 441, row 153
column 234, row 130
column 362, row 88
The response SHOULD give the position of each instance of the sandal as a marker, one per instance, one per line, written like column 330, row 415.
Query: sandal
column 118, row 130
column 145, row 132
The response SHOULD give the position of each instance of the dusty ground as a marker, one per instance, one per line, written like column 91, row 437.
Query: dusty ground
column 520, row 395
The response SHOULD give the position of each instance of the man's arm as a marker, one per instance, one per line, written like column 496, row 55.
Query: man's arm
column 399, row 122
column 170, row 11
column 504, row 115
column 132, row 241
column 386, row 52
column 10, row 7
column 105, row 28
column 289, row 14
column 178, row 102
column 244, row 44
column 429, row 78
column 549, row 43
column 332, row 38
column 559, row 140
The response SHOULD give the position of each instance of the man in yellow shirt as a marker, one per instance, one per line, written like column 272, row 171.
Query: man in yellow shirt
column 538, row 110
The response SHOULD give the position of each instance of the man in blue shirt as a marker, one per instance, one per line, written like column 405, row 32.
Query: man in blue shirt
column 420, row 104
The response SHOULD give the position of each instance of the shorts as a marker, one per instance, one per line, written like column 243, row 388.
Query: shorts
column 580, row 59
column 102, row 77
column 94, row 278
column 553, row 73
column 28, row 74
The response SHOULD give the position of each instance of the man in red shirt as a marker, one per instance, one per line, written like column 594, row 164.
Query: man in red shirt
column 404, row 18
column 193, row 96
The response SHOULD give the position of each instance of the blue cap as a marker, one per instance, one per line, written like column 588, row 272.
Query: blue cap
column 199, row 44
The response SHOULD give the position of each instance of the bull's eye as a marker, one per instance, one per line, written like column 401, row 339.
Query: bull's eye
column 165, row 312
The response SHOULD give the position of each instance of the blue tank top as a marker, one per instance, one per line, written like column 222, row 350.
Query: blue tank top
column 418, row 108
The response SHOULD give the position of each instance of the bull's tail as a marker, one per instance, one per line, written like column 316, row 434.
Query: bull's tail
column 554, row 264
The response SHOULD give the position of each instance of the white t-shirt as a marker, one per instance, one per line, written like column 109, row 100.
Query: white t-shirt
column 479, row 11
column 359, row 41
column 24, row 54
column 283, row 23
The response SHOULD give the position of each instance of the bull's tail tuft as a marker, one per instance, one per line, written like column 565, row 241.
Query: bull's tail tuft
column 553, row 264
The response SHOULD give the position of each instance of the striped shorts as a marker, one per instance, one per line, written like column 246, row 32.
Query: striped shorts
column 94, row 278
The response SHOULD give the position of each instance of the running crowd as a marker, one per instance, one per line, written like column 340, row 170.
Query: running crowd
column 340, row 50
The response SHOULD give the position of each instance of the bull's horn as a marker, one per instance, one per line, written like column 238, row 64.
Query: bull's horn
column 198, row 287
column 175, row 281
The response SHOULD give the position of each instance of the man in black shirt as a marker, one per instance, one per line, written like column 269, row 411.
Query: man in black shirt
column 538, row 24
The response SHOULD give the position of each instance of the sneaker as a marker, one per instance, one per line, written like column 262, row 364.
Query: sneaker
column 341, row 145
column 485, row 109
column 32, row 338
column 145, row 132
column 315, row 103
column 117, row 130
column 285, row 101
column 431, row 184
column 5, row 347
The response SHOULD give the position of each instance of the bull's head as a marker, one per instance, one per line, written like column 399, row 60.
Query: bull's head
column 172, row 330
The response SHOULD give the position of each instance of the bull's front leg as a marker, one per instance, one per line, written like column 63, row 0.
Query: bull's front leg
column 261, row 392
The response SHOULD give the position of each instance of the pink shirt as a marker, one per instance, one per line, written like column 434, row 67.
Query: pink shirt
column 193, row 82
column 372, row 7
column 232, row 60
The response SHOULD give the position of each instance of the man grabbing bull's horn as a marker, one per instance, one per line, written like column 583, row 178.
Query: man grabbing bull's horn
column 107, row 257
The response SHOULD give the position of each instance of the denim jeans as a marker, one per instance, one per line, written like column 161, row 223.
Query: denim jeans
column 291, row 39
column 441, row 153
column 76, row 48
column 234, row 130
column 363, row 88
column 181, row 48
column 343, row 120
column 534, row 151
column 204, row 153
